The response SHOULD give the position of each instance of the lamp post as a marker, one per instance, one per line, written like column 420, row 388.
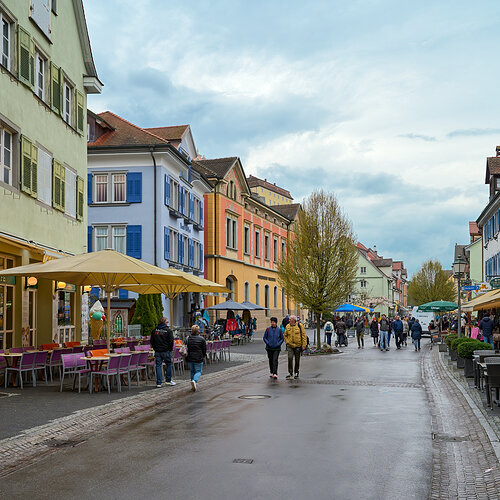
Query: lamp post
column 459, row 271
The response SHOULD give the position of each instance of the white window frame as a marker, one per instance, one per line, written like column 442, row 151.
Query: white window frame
column 174, row 194
column 247, row 240
column 363, row 284
column 5, row 57
column 231, row 232
column 40, row 74
column 275, row 249
column 247, row 291
column 197, row 263
column 267, row 248
column 114, row 234
column 70, row 184
column 3, row 153
column 110, row 236
column 257, row 240
column 174, row 245
column 114, row 175
column 44, row 172
column 96, row 175
column 363, row 270
column 68, row 102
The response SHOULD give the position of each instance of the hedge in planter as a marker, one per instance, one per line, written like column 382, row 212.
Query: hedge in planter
column 448, row 339
column 466, row 350
column 456, row 342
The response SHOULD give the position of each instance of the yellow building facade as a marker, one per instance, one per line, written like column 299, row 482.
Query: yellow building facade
column 270, row 193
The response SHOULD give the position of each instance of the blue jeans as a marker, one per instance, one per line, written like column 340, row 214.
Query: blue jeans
column 384, row 344
column 489, row 338
column 161, row 357
column 417, row 343
column 195, row 370
column 388, row 339
column 328, row 336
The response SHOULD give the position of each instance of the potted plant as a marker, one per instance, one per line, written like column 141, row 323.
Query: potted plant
column 466, row 350
column 454, row 347
column 448, row 340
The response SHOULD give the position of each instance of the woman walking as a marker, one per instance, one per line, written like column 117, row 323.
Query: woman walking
column 374, row 331
column 416, row 334
column 273, row 337
column 196, row 352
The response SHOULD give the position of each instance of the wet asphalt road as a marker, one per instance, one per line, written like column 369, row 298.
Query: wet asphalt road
column 356, row 426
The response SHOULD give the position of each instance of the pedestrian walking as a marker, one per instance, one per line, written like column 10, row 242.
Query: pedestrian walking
column 389, row 333
column 374, row 331
column 397, row 326
column 406, row 329
column 196, row 352
column 360, row 332
column 162, row 341
column 340, row 329
column 416, row 334
column 273, row 337
column 328, row 332
column 285, row 321
column 296, row 342
column 486, row 326
column 384, row 333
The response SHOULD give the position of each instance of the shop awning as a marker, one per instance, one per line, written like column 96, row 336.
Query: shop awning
column 485, row 301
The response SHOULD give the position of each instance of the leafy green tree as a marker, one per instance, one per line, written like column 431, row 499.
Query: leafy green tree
column 431, row 283
column 144, row 315
column 158, row 305
column 320, row 265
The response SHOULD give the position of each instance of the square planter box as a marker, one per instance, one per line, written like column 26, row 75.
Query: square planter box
column 454, row 355
column 460, row 362
column 468, row 368
column 443, row 347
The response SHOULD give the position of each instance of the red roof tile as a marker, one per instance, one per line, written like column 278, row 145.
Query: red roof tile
column 473, row 228
column 173, row 133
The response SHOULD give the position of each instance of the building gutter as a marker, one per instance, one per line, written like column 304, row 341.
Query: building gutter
column 151, row 151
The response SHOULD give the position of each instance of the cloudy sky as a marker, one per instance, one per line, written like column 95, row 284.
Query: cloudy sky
column 391, row 105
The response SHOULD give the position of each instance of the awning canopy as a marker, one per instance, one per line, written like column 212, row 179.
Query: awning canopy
column 488, row 300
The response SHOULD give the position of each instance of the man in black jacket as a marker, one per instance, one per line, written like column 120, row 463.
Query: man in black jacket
column 162, row 341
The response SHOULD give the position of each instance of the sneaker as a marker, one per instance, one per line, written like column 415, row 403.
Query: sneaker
column 275, row 376
column 270, row 375
column 289, row 376
column 159, row 385
column 171, row 383
column 193, row 385
column 296, row 375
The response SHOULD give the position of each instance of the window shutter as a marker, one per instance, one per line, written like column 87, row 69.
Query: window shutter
column 58, row 185
column 89, row 189
column 201, row 213
column 181, row 249
column 89, row 239
column 34, row 170
column 63, row 187
column 26, row 176
column 26, row 56
column 181, row 199
column 166, row 243
column 134, row 187
column 55, row 88
column 191, row 252
column 122, row 294
column 201, row 256
column 134, row 241
column 191, row 206
column 94, row 291
column 79, row 197
column 79, row 111
column 167, row 190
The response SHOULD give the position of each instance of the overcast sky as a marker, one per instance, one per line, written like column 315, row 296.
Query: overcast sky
column 391, row 105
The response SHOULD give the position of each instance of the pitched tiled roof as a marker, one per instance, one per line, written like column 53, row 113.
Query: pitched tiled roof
column 289, row 211
column 217, row 167
column 382, row 262
column 256, row 182
column 473, row 228
column 492, row 167
column 174, row 133
column 124, row 133
column 397, row 265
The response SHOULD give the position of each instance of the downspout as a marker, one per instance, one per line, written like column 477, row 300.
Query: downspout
column 151, row 150
column 215, row 237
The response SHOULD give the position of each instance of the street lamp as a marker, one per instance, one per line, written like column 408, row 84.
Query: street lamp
column 459, row 271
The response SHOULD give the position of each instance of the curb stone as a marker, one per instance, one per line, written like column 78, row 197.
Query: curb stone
column 32, row 444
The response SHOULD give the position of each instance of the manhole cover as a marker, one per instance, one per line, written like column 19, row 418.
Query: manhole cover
column 243, row 461
column 255, row 396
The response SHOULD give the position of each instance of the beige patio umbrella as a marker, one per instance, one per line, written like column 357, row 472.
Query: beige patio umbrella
column 196, row 284
column 106, row 269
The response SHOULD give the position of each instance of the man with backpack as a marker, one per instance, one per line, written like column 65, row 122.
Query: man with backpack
column 296, row 342
column 360, row 332
column 384, row 333
column 340, row 328
column 397, row 326
column 328, row 332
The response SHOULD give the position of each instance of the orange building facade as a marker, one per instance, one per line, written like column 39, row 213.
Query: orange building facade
column 244, row 240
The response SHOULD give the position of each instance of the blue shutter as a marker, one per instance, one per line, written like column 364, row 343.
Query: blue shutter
column 201, row 213
column 201, row 256
column 89, row 189
column 134, row 241
column 167, row 190
column 89, row 239
column 191, row 252
column 166, row 243
column 191, row 206
column 180, row 253
column 122, row 294
column 181, row 199
column 134, row 187
column 94, row 291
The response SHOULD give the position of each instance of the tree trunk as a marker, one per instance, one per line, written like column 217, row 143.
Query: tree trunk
column 318, row 331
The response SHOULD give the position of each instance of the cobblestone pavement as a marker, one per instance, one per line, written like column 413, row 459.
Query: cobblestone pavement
column 465, row 465
column 24, row 449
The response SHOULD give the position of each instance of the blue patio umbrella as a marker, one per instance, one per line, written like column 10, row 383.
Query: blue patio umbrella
column 352, row 308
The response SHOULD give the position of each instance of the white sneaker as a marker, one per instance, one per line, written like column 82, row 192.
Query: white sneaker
column 193, row 385
column 158, row 385
column 171, row 383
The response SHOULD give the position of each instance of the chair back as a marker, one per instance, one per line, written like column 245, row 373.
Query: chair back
column 113, row 363
column 27, row 360
column 125, row 350
column 87, row 349
column 132, row 343
column 143, row 358
column 210, row 347
column 41, row 358
column 3, row 363
column 146, row 342
column 124, row 361
column 68, row 361
column 134, row 358
column 177, row 354
column 77, row 348
column 98, row 352
column 81, row 362
column 16, row 349
column 118, row 350
column 29, row 348
column 56, row 356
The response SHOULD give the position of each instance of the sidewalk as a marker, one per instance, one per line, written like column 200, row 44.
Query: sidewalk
column 465, row 464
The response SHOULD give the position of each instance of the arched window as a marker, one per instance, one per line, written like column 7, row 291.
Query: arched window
column 275, row 297
column 118, row 323
column 257, row 294
column 247, row 291
column 231, row 190
column 230, row 285
column 266, row 300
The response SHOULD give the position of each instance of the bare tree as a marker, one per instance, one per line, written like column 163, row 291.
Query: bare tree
column 319, row 268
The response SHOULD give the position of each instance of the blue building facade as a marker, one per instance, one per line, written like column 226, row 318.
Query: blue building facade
column 145, row 200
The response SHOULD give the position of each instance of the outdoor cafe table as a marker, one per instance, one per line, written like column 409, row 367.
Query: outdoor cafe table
column 95, row 364
column 11, row 360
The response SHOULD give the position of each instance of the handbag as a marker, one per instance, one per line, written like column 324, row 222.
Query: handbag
column 183, row 350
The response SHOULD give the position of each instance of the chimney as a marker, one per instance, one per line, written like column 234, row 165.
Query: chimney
column 498, row 150
column 375, row 248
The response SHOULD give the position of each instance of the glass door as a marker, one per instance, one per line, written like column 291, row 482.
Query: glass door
column 6, row 316
column 32, row 304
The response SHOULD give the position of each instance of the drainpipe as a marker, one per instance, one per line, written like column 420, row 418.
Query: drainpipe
column 151, row 150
